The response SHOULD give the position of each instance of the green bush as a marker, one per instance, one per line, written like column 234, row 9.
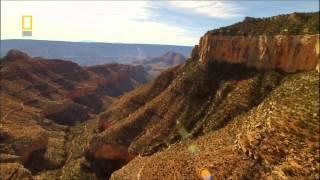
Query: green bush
column 289, row 24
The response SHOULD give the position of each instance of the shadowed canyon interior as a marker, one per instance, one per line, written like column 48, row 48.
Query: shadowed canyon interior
column 243, row 105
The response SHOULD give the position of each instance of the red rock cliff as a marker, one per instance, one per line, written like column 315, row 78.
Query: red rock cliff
column 289, row 53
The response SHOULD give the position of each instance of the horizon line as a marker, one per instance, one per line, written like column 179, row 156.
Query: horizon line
column 99, row 42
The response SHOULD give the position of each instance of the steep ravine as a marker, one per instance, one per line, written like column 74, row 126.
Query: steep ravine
column 200, row 99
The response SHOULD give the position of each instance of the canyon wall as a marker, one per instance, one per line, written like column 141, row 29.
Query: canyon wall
column 43, row 100
column 289, row 53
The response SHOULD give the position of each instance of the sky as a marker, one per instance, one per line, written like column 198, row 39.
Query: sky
column 146, row 22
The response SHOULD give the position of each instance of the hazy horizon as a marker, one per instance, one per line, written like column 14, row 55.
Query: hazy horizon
column 135, row 22
column 89, row 41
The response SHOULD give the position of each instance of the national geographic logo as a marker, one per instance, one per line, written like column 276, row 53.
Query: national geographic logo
column 26, row 25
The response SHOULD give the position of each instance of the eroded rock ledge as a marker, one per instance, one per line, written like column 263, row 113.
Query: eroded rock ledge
column 289, row 53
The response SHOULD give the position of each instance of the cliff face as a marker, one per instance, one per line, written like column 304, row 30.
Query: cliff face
column 289, row 53
column 286, row 42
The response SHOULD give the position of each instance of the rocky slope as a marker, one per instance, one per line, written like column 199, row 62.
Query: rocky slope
column 277, row 139
column 155, row 66
column 233, row 110
column 41, row 101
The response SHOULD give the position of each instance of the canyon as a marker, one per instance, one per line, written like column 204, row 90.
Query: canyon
column 244, row 105
column 46, row 105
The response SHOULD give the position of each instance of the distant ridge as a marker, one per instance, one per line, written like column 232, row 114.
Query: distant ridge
column 91, row 53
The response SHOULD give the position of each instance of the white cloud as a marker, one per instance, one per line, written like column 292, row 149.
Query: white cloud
column 217, row 9
column 103, row 21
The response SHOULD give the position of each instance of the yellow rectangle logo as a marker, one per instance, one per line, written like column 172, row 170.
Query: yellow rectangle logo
column 26, row 23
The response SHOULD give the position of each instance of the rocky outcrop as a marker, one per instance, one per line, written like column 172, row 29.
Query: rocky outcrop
column 157, row 65
column 21, row 145
column 14, row 171
column 15, row 54
column 284, row 52
column 111, row 151
column 170, row 58
column 67, row 113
